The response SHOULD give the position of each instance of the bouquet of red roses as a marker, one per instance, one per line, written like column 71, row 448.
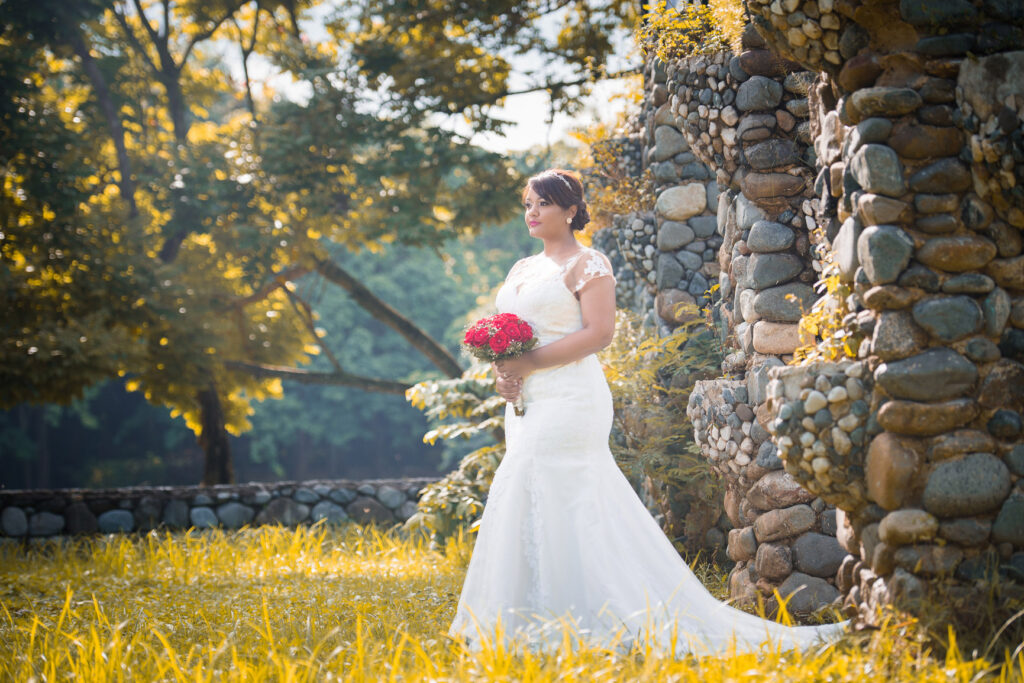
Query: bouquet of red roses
column 500, row 337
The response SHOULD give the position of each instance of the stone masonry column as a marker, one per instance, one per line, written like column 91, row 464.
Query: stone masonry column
column 918, row 113
column 745, row 116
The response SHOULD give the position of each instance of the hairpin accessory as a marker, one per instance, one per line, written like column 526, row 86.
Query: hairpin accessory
column 562, row 178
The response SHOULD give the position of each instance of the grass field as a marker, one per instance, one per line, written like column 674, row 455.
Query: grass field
column 348, row 604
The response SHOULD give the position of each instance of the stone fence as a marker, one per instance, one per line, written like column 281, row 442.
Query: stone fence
column 42, row 513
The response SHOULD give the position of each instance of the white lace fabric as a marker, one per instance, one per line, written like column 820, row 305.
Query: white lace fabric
column 563, row 534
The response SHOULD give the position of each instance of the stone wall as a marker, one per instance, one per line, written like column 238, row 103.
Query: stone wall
column 42, row 513
column 917, row 111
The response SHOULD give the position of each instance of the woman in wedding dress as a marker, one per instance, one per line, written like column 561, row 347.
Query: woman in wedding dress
column 564, row 540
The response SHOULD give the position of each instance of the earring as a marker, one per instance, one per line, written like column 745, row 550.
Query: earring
column 569, row 220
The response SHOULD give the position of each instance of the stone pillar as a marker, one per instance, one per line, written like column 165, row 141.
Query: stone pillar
column 745, row 116
column 917, row 113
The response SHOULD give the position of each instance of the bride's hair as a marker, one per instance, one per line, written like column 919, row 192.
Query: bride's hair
column 563, row 188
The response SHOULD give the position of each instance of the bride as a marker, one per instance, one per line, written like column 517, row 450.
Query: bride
column 564, row 541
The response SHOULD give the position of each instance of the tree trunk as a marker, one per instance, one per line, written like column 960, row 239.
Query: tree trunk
column 372, row 304
column 214, row 440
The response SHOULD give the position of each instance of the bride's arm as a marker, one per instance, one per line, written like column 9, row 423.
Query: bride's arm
column 597, row 306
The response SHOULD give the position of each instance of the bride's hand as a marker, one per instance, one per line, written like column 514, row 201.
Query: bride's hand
column 515, row 368
column 509, row 388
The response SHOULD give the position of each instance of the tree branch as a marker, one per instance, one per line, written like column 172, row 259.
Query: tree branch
column 275, row 283
column 153, row 35
column 304, row 310
column 382, row 386
column 200, row 37
column 102, row 91
column 136, row 43
column 383, row 312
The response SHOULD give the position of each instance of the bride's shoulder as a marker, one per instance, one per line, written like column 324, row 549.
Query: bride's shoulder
column 521, row 265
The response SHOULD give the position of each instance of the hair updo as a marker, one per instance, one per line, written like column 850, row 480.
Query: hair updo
column 565, row 189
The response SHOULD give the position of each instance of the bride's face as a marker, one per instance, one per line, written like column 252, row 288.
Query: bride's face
column 544, row 218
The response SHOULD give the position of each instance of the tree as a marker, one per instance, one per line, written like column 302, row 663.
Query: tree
column 156, row 213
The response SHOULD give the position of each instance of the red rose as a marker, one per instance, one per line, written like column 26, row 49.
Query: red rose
column 511, row 330
column 525, row 331
column 477, row 336
column 499, row 342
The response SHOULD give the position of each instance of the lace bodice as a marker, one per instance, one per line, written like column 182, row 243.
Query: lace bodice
column 544, row 294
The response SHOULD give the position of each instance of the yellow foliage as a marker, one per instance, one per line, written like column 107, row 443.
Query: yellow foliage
column 352, row 604
column 673, row 32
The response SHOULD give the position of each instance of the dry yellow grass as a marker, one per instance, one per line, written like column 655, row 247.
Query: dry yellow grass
column 347, row 604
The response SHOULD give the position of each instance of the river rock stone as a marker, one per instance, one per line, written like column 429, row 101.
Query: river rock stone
column 305, row 496
column 769, row 185
column 935, row 374
column 956, row 253
column 1009, row 524
column 768, row 270
column 768, row 236
column 926, row 419
column 776, row 338
column 329, row 511
column 890, row 102
column 681, row 202
column 818, row 555
column 968, row 283
column 1005, row 425
column 669, row 271
column 768, row 456
column 148, row 512
column 1003, row 385
column 50, row 524
column 884, row 251
column 929, row 560
column 784, row 303
column 916, row 141
column 235, row 515
column 284, row 511
column 674, row 235
column 807, row 593
column 115, row 521
column 878, row 170
column 742, row 545
column 776, row 490
column 777, row 524
column 365, row 509
column 876, row 209
column 937, row 12
column 773, row 562
column 1008, row 273
column 176, row 514
column 896, row 336
column 201, row 517
column 948, row 318
column 342, row 496
column 996, row 309
column 1015, row 460
column 944, row 175
column 903, row 527
column 668, row 142
column 703, row 226
column 390, row 496
column 772, row 153
column 758, row 93
column 844, row 248
column 946, row 446
column 972, row 485
column 971, row 531
column 676, row 307
column 891, row 467
column 79, row 519
column 14, row 521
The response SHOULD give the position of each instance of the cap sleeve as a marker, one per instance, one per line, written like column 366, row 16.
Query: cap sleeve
column 590, row 266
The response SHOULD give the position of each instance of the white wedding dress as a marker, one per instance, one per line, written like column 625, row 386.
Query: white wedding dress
column 564, row 539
